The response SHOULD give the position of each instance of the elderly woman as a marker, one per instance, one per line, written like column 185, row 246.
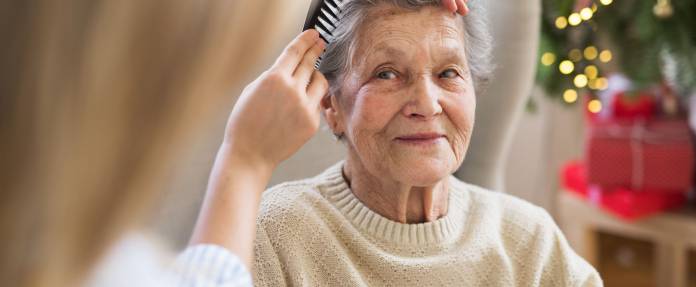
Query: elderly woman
column 403, row 79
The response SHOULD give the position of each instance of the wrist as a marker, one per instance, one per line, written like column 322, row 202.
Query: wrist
column 245, row 162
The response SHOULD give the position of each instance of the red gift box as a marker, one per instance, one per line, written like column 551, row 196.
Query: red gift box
column 631, row 205
column 655, row 154
column 574, row 177
column 625, row 203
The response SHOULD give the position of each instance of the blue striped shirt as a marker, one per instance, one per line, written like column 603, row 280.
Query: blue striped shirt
column 138, row 260
column 210, row 265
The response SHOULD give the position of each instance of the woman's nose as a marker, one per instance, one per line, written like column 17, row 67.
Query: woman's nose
column 423, row 101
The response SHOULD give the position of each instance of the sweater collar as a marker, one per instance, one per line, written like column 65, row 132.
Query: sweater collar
column 447, row 228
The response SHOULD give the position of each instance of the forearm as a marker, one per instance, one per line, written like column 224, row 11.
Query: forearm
column 227, row 217
column 256, row 140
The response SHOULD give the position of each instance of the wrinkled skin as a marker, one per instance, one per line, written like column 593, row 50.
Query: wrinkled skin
column 406, row 109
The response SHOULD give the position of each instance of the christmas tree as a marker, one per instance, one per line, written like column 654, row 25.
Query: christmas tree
column 584, row 41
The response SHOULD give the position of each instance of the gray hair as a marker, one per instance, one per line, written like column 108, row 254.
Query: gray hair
column 477, row 41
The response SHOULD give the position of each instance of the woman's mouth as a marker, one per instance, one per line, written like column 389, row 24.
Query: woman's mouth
column 420, row 138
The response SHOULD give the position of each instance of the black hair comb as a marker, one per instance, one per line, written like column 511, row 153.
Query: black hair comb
column 323, row 16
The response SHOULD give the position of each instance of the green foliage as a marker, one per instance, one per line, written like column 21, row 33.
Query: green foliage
column 640, row 42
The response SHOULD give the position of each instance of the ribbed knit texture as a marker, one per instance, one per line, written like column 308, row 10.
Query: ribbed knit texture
column 315, row 232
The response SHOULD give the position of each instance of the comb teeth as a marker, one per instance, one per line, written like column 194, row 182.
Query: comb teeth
column 333, row 6
column 324, row 16
column 328, row 16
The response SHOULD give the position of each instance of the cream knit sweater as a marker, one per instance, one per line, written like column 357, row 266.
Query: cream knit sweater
column 315, row 232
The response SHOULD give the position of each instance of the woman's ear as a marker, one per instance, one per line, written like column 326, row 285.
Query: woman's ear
column 332, row 113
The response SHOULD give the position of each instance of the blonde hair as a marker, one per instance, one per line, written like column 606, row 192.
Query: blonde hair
column 95, row 98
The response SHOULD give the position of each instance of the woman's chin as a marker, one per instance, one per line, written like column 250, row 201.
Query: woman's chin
column 423, row 172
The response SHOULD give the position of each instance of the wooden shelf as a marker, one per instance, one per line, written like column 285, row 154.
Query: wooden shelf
column 673, row 235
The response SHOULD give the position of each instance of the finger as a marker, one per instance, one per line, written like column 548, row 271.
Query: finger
column 450, row 5
column 318, row 87
column 295, row 51
column 303, row 73
column 462, row 8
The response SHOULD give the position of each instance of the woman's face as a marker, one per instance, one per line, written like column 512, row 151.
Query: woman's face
column 407, row 104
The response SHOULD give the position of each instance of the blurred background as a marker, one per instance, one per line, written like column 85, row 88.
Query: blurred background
column 587, row 116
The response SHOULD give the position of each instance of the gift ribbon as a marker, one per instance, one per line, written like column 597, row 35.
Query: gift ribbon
column 594, row 195
column 637, row 133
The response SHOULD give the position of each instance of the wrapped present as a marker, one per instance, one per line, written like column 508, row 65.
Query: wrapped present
column 631, row 205
column 657, row 155
column 622, row 202
column 574, row 177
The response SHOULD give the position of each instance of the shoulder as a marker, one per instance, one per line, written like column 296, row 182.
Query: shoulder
column 300, row 199
column 518, row 224
column 291, row 215
column 142, row 259
column 530, row 237
column 137, row 256
column 288, row 201
column 510, row 210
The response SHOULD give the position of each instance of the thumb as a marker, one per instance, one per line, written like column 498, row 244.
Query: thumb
column 318, row 87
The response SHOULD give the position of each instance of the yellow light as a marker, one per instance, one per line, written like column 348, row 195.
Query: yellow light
column 586, row 13
column 594, row 106
column 570, row 96
column 566, row 67
column 590, row 53
column 606, row 2
column 594, row 8
column 561, row 22
column 580, row 81
column 548, row 58
column 575, row 55
column 574, row 19
column 592, row 84
column 602, row 83
column 591, row 71
column 605, row 56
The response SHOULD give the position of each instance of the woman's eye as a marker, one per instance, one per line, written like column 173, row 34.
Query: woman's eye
column 386, row 75
column 449, row 74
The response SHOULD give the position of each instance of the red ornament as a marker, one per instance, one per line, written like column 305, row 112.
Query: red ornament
column 631, row 107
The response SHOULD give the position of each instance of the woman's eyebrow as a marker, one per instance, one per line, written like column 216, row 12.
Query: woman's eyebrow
column 388, row 51
column 453, row 54
column 455, row 57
